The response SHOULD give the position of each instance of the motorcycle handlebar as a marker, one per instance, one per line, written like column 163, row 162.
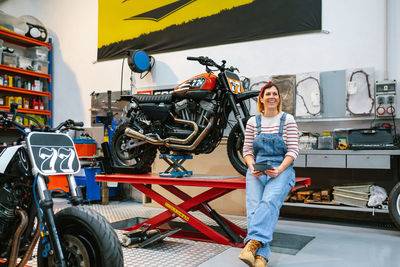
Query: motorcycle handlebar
column 207, row 62
column 192, row 58
column 8, row 119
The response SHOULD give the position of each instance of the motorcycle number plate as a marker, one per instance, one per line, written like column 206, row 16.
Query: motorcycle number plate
column 234, row 82
column 53, row 153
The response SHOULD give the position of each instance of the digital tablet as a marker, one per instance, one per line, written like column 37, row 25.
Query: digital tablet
column 262, row 166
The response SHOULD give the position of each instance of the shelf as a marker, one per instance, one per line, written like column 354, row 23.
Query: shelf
column 24, row 91
column 347, row 208
column 25, row 72
column 30, row 111
column 13, row 37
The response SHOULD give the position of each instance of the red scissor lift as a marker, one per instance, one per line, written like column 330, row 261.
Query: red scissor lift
column 217, row 188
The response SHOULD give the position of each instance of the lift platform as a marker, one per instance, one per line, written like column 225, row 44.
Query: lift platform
column 218, row 187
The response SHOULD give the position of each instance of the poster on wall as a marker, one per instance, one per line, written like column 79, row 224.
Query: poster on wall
column 286, row 85
column 308, row 95
column 165, row 25
column 256, row 83
column 360, row 91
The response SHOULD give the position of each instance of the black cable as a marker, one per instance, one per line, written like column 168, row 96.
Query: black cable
column 152, row 62
column 122, row 72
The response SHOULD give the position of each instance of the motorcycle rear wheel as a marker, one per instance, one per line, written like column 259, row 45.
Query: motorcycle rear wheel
column 87, row 239
column 235, row 148
column 140, row 158
column 394, row 205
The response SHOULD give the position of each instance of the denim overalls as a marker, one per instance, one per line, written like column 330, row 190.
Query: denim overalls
column 265, row 195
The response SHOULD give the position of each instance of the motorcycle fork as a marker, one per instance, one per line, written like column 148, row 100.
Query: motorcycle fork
column 76, row 193
column 236, row 112
column 46, row 205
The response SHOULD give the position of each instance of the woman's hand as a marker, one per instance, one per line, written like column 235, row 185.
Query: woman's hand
column 256, row 173
column 274, row 172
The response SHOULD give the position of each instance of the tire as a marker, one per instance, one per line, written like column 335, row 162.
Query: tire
column 235, row 148
column 140, row 158
column 87, row 239
column 394, row 205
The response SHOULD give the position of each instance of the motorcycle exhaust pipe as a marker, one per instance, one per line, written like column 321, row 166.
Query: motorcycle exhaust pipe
column 17, row 237
column 197, row 141
column 32, row 245
column 135, row 134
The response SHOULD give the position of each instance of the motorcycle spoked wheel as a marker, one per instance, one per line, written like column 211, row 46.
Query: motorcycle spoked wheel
column 140, row 157
column 235, row 148
column 394, row 205
column 87, row 239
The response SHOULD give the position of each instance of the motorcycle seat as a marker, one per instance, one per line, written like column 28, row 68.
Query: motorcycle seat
column 142, row 98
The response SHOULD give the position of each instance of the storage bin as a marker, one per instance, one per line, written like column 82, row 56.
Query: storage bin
column 39, row 53
column 93, row 188
column 85, row 147
column 41, row 66
column 325, row 142
column 24, row 63
column 9, row 59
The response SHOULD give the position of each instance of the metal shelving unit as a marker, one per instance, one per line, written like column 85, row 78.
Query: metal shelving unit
column 25, row 42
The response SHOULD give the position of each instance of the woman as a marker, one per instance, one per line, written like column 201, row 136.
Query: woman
column 272, row 138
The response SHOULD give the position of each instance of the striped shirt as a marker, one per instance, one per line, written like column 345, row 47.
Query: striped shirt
column 271, row 125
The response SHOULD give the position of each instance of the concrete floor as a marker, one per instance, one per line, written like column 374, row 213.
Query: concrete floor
column 333, row 245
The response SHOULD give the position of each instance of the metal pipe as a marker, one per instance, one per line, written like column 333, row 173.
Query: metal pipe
column 17, row 237
column 135, row 134
column 31, row 247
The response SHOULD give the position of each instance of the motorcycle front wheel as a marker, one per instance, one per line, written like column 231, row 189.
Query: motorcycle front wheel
column 235, row 148
column 87, row 239
column 125, row 153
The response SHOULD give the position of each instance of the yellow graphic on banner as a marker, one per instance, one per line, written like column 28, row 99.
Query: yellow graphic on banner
column 128, row 19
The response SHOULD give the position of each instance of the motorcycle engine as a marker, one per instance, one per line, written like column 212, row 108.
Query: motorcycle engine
column 8, row 204
column 188, row 109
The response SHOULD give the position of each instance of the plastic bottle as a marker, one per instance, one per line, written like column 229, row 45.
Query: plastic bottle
column 41, row 104
column 5, row 82
column 34, row 104
column 26, row 103
column 18, row 100
column 10, row 80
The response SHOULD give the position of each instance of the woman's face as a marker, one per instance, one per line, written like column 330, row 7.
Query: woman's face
column 271, row 98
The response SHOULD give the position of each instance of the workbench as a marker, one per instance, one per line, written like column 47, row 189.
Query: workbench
column 219, row 186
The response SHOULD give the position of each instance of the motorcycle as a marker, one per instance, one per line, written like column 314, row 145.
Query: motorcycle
column 75, row 236
column 190, row 120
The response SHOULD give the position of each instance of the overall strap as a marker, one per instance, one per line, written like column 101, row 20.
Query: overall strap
column 258, row 122
column 282, row 123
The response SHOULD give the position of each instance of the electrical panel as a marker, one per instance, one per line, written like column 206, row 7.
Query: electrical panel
column 385, row 99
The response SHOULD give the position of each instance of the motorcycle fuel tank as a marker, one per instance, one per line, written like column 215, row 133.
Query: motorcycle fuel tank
column 205, row 81
column 13, row 161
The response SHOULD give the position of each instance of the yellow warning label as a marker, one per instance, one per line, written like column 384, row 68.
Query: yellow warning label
column 174, row 210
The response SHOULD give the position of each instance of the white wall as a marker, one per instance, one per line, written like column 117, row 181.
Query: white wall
column 355, row 40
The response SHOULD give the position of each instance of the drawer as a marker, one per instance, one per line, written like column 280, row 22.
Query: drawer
column 326, row 161
column 368, row 161
column 300, row 161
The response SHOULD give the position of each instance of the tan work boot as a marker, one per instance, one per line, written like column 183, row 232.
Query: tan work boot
column 248, row 252
column 260, row 261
